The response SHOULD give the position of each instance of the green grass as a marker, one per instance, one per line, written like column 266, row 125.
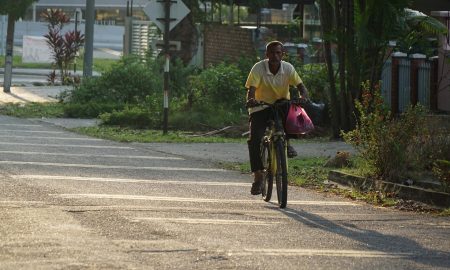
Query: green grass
column 33, row 110
column 310, row 173
column 99, row 64
column 147, row 136
column 445, row 213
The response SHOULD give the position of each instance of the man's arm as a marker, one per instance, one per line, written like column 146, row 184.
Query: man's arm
column 302, row 91
column 251, row 96
column 251, row 93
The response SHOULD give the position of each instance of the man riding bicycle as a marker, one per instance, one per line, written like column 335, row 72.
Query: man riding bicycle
column 268, row 81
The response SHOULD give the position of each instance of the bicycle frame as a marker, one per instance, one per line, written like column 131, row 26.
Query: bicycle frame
column 274, row 154
column 274, row 132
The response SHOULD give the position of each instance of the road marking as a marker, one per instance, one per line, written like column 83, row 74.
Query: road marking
column 208, row 221
column 50, row 138
column 21, row 125
column 181, row 199
column 31, row 131
column 127, row 180
column 317, row 252
column 87, row 155
column 110, row 166
column 68, row 145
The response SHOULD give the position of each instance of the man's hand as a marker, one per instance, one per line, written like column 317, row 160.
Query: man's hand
column 251, row 102
column 301, row 101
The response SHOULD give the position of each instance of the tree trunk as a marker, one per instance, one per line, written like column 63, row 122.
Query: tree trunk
column 9, row 54
column 340, row 29
column 326, row 16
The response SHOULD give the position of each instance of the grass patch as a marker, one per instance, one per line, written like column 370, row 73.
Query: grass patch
column 32, row 110
column 445, row 213
column 310, row 173
column 99, row 64
column 146, row 136
column 304, row 172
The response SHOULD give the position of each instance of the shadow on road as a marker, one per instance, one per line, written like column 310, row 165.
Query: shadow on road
column 374, row 240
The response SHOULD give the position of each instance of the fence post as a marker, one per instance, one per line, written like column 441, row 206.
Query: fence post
column 396, row 57
column 416, row 60
column 434, row 82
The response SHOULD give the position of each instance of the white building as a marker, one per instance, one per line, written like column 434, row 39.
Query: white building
column 109, row 12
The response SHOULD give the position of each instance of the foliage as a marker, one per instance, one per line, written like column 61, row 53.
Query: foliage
column 32, row 110
column 128, row 81
column 89, row 109
column 15, row 8
column 362, row 30
column 420, row 33
column 441, row 168
column 133, row 117
column 140, row 135
column 394, row 147
column 217, row 87
column 206, row 119
column 64, row 47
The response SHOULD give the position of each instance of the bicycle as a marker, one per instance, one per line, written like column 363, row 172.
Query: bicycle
column 274, row 156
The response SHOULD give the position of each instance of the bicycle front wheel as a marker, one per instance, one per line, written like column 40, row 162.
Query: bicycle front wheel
column 268, row 174
column 281, row 173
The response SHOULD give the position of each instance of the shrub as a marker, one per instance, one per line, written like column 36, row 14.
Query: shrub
column 219, row 86
column 205, row 119
column 89, row 109
column 393, row 146
column 133, row 117
column 128, row 81
column 441, row 168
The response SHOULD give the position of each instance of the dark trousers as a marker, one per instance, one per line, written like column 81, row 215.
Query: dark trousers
column 257, row 126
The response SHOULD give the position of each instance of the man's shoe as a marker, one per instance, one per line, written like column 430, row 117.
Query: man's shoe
column 257, row 183
column 291, row 152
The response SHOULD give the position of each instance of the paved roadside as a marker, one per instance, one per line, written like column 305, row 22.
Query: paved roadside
column 219, row 152
column 27, row 94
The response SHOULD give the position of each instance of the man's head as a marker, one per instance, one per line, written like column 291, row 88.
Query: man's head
column 274, row 52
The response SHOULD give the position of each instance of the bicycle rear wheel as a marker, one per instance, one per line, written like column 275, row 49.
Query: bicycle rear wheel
column 268, row 175
column 281, row 173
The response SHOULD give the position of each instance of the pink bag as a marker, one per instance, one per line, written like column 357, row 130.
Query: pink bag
column 297, row 121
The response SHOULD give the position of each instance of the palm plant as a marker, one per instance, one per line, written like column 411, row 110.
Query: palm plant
column 362, row 29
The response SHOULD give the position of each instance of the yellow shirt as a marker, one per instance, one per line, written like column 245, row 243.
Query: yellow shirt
column 269, row 87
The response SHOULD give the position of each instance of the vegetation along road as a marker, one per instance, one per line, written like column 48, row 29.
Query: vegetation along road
column 71, row 201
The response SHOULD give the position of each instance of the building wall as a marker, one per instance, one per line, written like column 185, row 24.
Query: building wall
column 226, row 42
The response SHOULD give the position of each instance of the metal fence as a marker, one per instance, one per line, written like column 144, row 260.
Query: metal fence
column 404, row 85
column 410, row 87
column 424, row 84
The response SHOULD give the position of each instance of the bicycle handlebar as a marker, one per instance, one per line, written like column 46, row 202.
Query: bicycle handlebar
column 278, row 102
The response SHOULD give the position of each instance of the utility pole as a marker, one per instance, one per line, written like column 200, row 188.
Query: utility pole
column 9, row 54
column 167, row 19
column 89, row 38
column 231, row 14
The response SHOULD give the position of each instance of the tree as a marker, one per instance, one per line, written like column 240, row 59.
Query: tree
column 14, row 9
column 361, row 30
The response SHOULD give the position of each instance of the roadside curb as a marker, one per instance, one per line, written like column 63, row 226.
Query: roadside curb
column 402, row 191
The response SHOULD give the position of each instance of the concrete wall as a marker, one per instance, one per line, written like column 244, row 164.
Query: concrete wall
column 226, row 42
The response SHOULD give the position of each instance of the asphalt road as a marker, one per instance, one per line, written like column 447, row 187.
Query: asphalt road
column 72, row 202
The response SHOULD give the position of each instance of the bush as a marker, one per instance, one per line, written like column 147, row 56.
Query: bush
column 133, row 117
column 128, row 81
column 441, row 168
column 219, row 86
column 394, row 147
column 89, row 109
column 205, row 119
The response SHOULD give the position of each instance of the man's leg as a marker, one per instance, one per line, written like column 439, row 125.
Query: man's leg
column 290, row 149
column 257, row 127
